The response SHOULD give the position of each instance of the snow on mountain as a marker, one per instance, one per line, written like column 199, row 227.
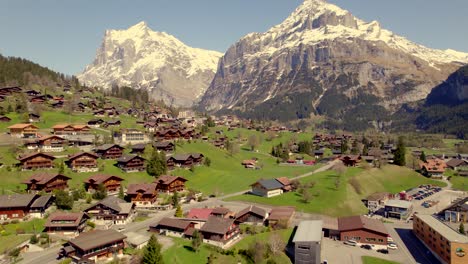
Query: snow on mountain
column 145, row 59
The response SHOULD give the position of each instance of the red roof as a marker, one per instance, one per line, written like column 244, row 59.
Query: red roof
column 200, row 213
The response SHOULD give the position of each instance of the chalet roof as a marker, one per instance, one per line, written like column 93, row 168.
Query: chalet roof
column 42, row 201
column 96, row 238
column 79, row 154
column 174, row 223
column 199, row 213
column 146, row 188
column 361, row 222
column 456, row 163
column 217, row 225
column 28, row 156
column 270, row 184
column 459, row 205
column 16, row 200
column 115, row 204
column 181, row 157
column 434, row 165
column 252, row 209
column 108, row 146
column 127, row 158
column 284, row 180
column 22, row 126
column 162, row 144
column 282, row 213
column 168, row 179
column 220, row 211
column 43, row 178
column 43, row 138
column 101, row 178
column 139, row 146
column 64, row 219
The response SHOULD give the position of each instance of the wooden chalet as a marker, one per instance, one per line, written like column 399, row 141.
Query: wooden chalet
column 351, row 160
column 219, row 231
column 281, row 216
column 66, row 223
column 16, row 206
column 174, row 227
column 112, row 123
column 95, row 122
column 138, row 149
column 111, row 211
column 23, row 130
column 109, row 151
column 83, row 162
column 46, row 182
column 34, row 118
column 6, row 91
column 251, row 215
column 142, row 194
column 131, row 163
column 4, row 119
column 36, row 161
column 66, row 130
column 171, row 134
column 111, row 183
column 165, row 146
column 32, row 93
column 167, row 183
column 89, row 247
column 184, row 160
column 51, row 143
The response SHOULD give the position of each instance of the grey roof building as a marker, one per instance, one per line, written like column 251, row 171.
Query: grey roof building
column 307, row 242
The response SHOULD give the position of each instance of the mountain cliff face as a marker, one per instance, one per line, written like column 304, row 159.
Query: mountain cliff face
column 143, row 59
column 323, row 60
column 452, row 92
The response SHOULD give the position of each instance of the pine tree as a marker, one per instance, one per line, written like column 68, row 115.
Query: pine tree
column 461, row 228
column 400, row 153
column 179, row 213
column 121, row 193
column 423, row 157
column 197, row 240
column 152, row 252
column 175, row 199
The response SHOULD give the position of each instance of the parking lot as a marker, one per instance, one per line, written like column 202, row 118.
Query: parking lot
column 443, row 199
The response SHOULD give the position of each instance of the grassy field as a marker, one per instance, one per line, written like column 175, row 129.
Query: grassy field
column 346, row 199
column 181, row 251
column 10, row 242
column 226, row 174
column 459, row 183
column 374, row 260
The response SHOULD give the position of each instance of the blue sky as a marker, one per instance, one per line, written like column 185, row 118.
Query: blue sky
column 64, row 35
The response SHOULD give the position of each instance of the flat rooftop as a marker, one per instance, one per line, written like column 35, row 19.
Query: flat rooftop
column 399, row 203
column 309, row 231
column 443, row 229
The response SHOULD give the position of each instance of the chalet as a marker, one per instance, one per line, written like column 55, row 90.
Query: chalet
column 286, row 182
column 222, row 212
column 456, row 163
column 132, row 136
column 456, row 212
column 94, row 245
column 165, row 146
column 51, row 143
column 10, row 90
column 16, row 206
column 65, row 223
column 57, row 104
column 351, row 160
column 99, row 113
column 36, row 161
column 32, row 93
column 40, row 205
column 4, row 119
column 83, row 162
column 111, row 183
column 199, row 214
column 34, row 118
column 376, row 201
column 23, row 130
column 95, row 122
column 363, row 230
column 281, row 217
column 40, row 99
column 433, row 167
column 111, row 211
column 251, row 215
column 67, row 130
column 267, row 188
column 219, row 231
column 142, row 194
column 249, row 164
column 150, row 126
column 138, row 149
column 46, row 182
column 167, row 183
column 109, row 151
column 174, row 227
column 131, row 163
column 80, row 143
column 112, row 123
column 184, row 160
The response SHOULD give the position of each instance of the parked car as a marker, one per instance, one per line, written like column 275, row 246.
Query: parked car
column 368, row 247
column 392, row 246
column 389, row 239
column 383, row 251
column 350, row 243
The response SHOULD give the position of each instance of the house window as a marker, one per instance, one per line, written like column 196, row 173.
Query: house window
column 371, row 239
column 15, row 215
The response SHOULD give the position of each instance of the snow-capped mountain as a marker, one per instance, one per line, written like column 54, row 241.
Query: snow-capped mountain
column 322, row 59
column 144, row 59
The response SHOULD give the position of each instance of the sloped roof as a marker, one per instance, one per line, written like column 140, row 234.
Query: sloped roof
column 115, row 204
column 16, row 200
column 21, row 126
column 217, row 225
column 282, row 213
column 63, row 219
column 147, row 188
column 199, row 213
column 43, row 178
column 96, row 238
column 361, row 222
column 270, row 184
column 168, row 179
column 173, row 222
column 21, row 158
column 108, row 146
column 101, row 178
column 42, row 201
column 284, row 180
column 127, row 158
column 252, row 209
column 79, row 154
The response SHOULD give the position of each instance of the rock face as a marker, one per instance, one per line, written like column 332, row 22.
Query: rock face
column 143, row 59
column 452, row 92
column 323, row 60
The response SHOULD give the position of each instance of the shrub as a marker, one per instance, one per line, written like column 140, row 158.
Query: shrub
column 33, row 239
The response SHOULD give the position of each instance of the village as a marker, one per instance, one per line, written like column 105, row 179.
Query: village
column 96, row 182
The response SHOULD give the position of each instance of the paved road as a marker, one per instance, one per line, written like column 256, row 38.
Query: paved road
column 47, row 256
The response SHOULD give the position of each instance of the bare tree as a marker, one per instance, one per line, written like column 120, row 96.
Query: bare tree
column 339, row 168
column 253, row 142
column 306, row 195
column 276, row 244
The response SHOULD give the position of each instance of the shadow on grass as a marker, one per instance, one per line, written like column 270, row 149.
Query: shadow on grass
column 189, row 248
